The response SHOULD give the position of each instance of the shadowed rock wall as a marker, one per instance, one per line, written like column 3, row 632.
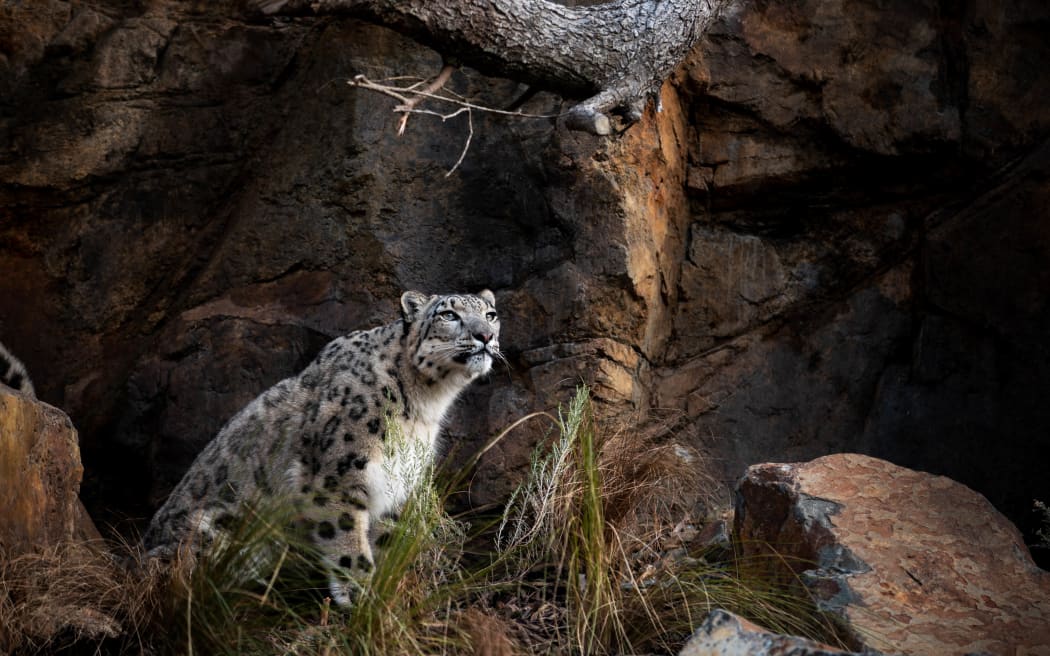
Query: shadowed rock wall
column 832, row 237
column 866, row 264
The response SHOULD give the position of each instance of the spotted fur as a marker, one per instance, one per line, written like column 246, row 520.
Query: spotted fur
column 13, row 373
column 346, row 440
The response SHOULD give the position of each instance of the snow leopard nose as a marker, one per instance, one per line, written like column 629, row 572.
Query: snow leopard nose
column 480, row 330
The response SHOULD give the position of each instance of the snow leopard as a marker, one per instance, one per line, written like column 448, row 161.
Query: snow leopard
column 343, row 441
column 13, row 373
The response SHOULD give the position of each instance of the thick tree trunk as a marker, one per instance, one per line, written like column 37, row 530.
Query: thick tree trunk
column 615, row 55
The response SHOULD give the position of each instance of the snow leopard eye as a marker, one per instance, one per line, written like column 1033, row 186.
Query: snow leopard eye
column 491, row 316
column 449, row 315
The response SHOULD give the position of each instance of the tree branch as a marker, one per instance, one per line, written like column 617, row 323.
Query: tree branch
column 614, row 56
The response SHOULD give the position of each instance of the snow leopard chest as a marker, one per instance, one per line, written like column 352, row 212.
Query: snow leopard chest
column 407, row 457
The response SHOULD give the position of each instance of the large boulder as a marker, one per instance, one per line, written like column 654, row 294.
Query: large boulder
column 911, row 562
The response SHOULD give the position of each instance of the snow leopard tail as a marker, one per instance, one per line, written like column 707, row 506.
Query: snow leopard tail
column 13, row 373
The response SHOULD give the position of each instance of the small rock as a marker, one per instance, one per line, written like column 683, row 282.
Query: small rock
column 715, row 539
column 725, row 634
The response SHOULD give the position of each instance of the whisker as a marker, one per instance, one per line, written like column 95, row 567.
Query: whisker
column 503, row 360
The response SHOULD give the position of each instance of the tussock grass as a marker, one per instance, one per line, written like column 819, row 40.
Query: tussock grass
column 599, row 516
column 249, row 593
column 592, row 555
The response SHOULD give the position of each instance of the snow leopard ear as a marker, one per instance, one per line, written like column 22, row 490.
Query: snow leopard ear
column 412, row 303
column 487, row 296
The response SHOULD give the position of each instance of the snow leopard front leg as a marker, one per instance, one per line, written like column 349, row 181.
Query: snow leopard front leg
column 348, row 555
column 339, row 522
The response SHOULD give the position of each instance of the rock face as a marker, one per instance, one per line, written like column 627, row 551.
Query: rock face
column 725, row 634
column 832, row 236
column 913, row 563
column 40, row 474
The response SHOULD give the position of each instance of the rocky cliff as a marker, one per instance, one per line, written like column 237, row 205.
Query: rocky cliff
column 832, row 237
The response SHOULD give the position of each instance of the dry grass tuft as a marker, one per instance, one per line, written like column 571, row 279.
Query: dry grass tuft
column 65, row 594
column 487, row 634
column 648, row 487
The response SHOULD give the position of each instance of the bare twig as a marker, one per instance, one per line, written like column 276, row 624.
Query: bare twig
column 325, row 606
column 407, row 107
column 466, row 146
column 409, row 97
column 399, row 93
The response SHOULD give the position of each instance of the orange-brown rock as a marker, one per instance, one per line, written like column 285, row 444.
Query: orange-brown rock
column 914, row 563
column 40, row 474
